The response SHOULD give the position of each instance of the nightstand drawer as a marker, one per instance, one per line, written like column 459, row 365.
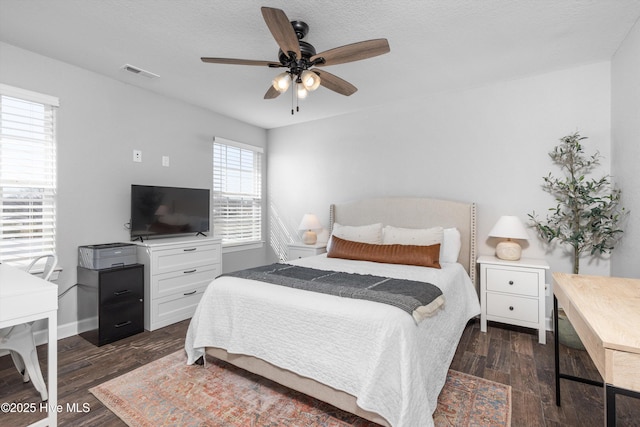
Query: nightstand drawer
column 512, row 281
column 512, row 307
column 297, row 251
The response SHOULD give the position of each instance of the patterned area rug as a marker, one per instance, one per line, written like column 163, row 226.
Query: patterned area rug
column 168, row 392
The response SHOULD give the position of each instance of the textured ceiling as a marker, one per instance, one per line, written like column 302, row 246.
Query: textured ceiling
column 436, row 45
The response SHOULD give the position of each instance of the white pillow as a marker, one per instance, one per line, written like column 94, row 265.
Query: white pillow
column 412, row 236
column 450, row 249
column 371, row 233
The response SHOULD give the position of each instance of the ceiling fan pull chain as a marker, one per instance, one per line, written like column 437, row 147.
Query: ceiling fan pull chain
column 292, row 95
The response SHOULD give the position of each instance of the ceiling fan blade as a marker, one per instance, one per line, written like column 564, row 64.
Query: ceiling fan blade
column 233, row 61
column 271, row 93
column 335, row 83
column 281, row 30
column 353, row 52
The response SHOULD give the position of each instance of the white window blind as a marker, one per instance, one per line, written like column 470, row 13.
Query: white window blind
column 27, row 175
column 237, row 192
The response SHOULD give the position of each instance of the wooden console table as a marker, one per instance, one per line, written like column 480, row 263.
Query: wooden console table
column 605, row 312
column 25, row 298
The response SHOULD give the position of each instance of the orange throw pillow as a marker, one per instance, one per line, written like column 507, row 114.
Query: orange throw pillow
column 426, row 256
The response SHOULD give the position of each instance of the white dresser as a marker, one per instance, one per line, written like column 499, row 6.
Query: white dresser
column 513, row 292
column 176, row 274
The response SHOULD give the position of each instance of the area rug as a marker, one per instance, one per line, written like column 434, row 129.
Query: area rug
column 167, row 392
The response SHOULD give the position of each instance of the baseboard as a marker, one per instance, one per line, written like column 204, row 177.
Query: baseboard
column 64, row 331
column 67, row 330
column 549, row 323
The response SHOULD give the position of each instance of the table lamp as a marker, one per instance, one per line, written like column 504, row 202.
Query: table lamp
column 309, row 223
column 509, row 227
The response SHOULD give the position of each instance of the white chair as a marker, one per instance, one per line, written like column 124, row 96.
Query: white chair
column 19, row 341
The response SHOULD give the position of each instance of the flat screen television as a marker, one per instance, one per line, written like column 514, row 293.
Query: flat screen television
column 163, row 211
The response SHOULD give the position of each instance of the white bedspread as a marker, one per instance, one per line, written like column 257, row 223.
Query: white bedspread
column 370, row 350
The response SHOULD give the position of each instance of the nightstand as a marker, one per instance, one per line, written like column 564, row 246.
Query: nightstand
column 300, row 250
column 513, row 292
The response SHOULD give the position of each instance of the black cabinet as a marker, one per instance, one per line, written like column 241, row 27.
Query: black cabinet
column 116, row 297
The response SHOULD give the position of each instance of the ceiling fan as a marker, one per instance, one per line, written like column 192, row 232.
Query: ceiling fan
column 300, row 58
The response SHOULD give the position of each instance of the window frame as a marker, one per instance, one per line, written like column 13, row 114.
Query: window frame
column 44, row 206
column 257, row 242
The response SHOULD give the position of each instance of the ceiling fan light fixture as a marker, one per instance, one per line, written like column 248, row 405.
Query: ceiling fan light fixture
column 281, row 82
column 310, row 80
column 302, row 91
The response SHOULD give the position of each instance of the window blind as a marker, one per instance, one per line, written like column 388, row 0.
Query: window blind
column 237, row 192
column 27, row 175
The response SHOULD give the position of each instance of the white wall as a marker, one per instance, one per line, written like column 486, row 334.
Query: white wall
column 488, row 145
column 625, row 88
column 100, row 122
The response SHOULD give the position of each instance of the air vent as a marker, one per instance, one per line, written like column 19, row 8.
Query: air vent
column 139, row 71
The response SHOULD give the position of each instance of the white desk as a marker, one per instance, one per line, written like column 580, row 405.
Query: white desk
column 25, row 298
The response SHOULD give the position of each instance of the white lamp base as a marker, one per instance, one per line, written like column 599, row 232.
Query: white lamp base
column 508, row 250
column 309, row 237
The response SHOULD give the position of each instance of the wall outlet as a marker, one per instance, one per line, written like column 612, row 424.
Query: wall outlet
column 137, row 156
column 165, row 161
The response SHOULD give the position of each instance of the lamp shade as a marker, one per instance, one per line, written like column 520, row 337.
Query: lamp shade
column 509, row 227
column 281, row 82
column 309, row 223
column 302, row 91
column 310, row 80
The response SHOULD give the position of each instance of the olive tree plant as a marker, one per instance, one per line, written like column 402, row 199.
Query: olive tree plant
column 587, row 215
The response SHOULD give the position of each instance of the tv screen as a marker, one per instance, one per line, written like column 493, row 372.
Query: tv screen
column 160, row 211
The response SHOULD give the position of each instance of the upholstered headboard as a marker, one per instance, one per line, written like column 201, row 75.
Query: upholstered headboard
column 415, row 213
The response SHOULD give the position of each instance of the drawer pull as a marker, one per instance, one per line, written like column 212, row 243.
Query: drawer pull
column 511, row 308
column 120, row 325
column 190, row 271
column 118, row 293
column 191, row 293
column 190, row 249
column 511, row 282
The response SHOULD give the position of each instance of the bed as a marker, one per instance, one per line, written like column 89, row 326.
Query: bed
column 364, row 357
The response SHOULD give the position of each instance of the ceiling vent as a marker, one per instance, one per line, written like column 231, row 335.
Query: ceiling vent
column 139, row 71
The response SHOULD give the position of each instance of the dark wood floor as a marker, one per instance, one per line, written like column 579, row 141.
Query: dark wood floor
column 503, row 354
column 513, row 356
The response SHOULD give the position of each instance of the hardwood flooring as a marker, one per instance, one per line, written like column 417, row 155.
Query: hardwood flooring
column 512, row 355
column 504, row 354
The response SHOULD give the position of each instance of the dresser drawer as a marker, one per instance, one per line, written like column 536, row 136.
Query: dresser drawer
column 185, row 258
column 512, row 307
column 174, row 308
column 183, row 281
column 512, row 281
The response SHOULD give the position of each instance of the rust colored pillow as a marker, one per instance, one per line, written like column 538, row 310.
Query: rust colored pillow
column 426, row 256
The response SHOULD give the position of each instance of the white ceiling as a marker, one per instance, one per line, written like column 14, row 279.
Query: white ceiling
column 436, row 45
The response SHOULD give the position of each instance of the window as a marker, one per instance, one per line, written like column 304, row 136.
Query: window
column 237, row 192
column 27, row 175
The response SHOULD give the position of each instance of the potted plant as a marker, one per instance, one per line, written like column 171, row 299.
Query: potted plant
column 587, row 216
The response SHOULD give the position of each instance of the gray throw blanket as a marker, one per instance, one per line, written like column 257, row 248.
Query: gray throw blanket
column 420, row 299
